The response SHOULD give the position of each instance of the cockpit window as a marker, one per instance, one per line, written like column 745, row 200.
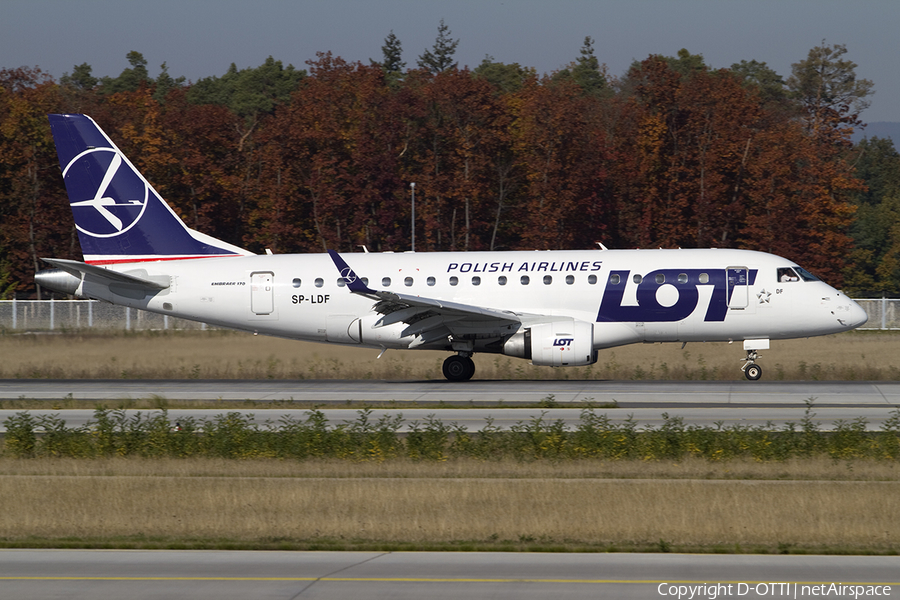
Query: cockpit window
column 805, row 275
column 786, row 274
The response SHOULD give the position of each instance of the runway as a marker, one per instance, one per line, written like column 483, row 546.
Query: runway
column 628, row 394
column 114, row 574
column 701, row 403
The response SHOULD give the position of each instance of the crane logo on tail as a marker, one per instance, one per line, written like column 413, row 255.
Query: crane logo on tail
column 115, row 203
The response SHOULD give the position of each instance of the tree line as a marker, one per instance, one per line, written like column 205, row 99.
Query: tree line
column 673, row 153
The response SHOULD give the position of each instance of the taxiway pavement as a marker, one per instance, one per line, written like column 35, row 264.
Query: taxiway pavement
column 115, row 574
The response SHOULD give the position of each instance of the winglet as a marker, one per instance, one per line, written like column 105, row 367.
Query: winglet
column 353, row 281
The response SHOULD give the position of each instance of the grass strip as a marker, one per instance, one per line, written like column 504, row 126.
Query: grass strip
column 526, row 514
column 222, row 354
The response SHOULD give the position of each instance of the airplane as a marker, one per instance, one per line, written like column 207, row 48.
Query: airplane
column 552, row 307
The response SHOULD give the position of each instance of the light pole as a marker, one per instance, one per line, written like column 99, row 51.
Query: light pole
column 413, row 188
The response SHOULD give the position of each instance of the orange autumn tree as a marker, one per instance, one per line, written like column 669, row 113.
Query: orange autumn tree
column 561, row 149
column 35, row 219
column 329, row 163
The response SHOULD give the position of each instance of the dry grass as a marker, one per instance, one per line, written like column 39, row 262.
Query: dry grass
column 589, row 503
column 234, row 355
column 816, row 469
column 586, row 511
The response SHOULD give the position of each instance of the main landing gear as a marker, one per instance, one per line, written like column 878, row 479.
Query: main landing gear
column 752, row 371
column 459, row 367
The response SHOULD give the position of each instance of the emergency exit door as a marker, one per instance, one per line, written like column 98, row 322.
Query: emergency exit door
column 262, row 292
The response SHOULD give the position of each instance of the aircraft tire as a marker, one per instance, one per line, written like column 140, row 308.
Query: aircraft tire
column 753, row 372
column 458, row 368
column 470, row 366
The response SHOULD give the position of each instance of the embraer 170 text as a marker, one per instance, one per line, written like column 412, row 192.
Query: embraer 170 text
column 554, row 308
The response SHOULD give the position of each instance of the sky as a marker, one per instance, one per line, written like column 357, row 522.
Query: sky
column 201, row 38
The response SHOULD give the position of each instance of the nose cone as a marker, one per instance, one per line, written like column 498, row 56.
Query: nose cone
column 856, row 316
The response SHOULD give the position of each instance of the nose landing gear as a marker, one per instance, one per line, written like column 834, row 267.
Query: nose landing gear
column 752, row 371
column 460, row 367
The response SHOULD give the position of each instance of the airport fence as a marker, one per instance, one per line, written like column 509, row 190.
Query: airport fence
column 67, row 315
column 884, row 313
column 62, row 315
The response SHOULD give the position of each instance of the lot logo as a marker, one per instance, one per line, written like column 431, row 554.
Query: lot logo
column 113, row 194
column 668, row 295
column 563, row 341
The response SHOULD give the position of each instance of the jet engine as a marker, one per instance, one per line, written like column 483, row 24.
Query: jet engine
column 555, row 344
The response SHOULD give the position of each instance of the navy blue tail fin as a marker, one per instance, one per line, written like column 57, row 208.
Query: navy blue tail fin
column 119, row 216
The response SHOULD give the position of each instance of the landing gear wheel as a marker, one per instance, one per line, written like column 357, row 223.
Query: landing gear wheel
column 458, row 368
column 753, row 372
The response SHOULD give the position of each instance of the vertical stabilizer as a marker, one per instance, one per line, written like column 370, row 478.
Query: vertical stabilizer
column 119, row 216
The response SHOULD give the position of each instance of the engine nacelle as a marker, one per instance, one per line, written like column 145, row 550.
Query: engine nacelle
column 555, row 344
column 58, row 281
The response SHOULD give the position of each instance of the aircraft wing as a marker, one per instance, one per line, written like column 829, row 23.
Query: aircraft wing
column 431, row 319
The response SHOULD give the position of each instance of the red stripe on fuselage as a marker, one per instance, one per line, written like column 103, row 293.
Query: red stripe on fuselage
column 118, row 261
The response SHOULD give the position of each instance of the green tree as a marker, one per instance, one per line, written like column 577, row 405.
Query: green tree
column 249, row 93
column 507, row 78
column 875, row 268
column 392, row 59
column 7, row 285
column 757, row 74
column 826, row 87
column 686, row 63
column 129, row 79
column 80, row 78
column 440, row 57
column 878, row 164
column 165, row 84
column 585, row 71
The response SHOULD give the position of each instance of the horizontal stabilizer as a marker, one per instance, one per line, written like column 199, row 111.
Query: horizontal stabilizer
column 77, row 268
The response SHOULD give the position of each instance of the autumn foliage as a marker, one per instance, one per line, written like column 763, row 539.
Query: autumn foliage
column 661, row 158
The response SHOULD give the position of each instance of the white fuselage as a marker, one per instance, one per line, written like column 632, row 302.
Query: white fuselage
column 683, row 295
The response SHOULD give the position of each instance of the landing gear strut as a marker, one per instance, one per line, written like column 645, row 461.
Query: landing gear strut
column 752, row 371
column 459, row 368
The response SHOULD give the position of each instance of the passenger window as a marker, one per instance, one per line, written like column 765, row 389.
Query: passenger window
column 660, row 278
column 476, row 280
column 682, row 278
column 548, row 279
column 386, row 281
column 592, row 279
column 704, row 278
column 320, row 282
column 408, row 282
column 524, row 280
column 430, row 281
column 365, row 281
column 637, row 279
column 341, row 282
column 296, row 282
column 502, row 280
column 454, row 280
column 570, row 279
column 615, row 279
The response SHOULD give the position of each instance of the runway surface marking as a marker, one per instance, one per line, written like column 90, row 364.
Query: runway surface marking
column 421, row 580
